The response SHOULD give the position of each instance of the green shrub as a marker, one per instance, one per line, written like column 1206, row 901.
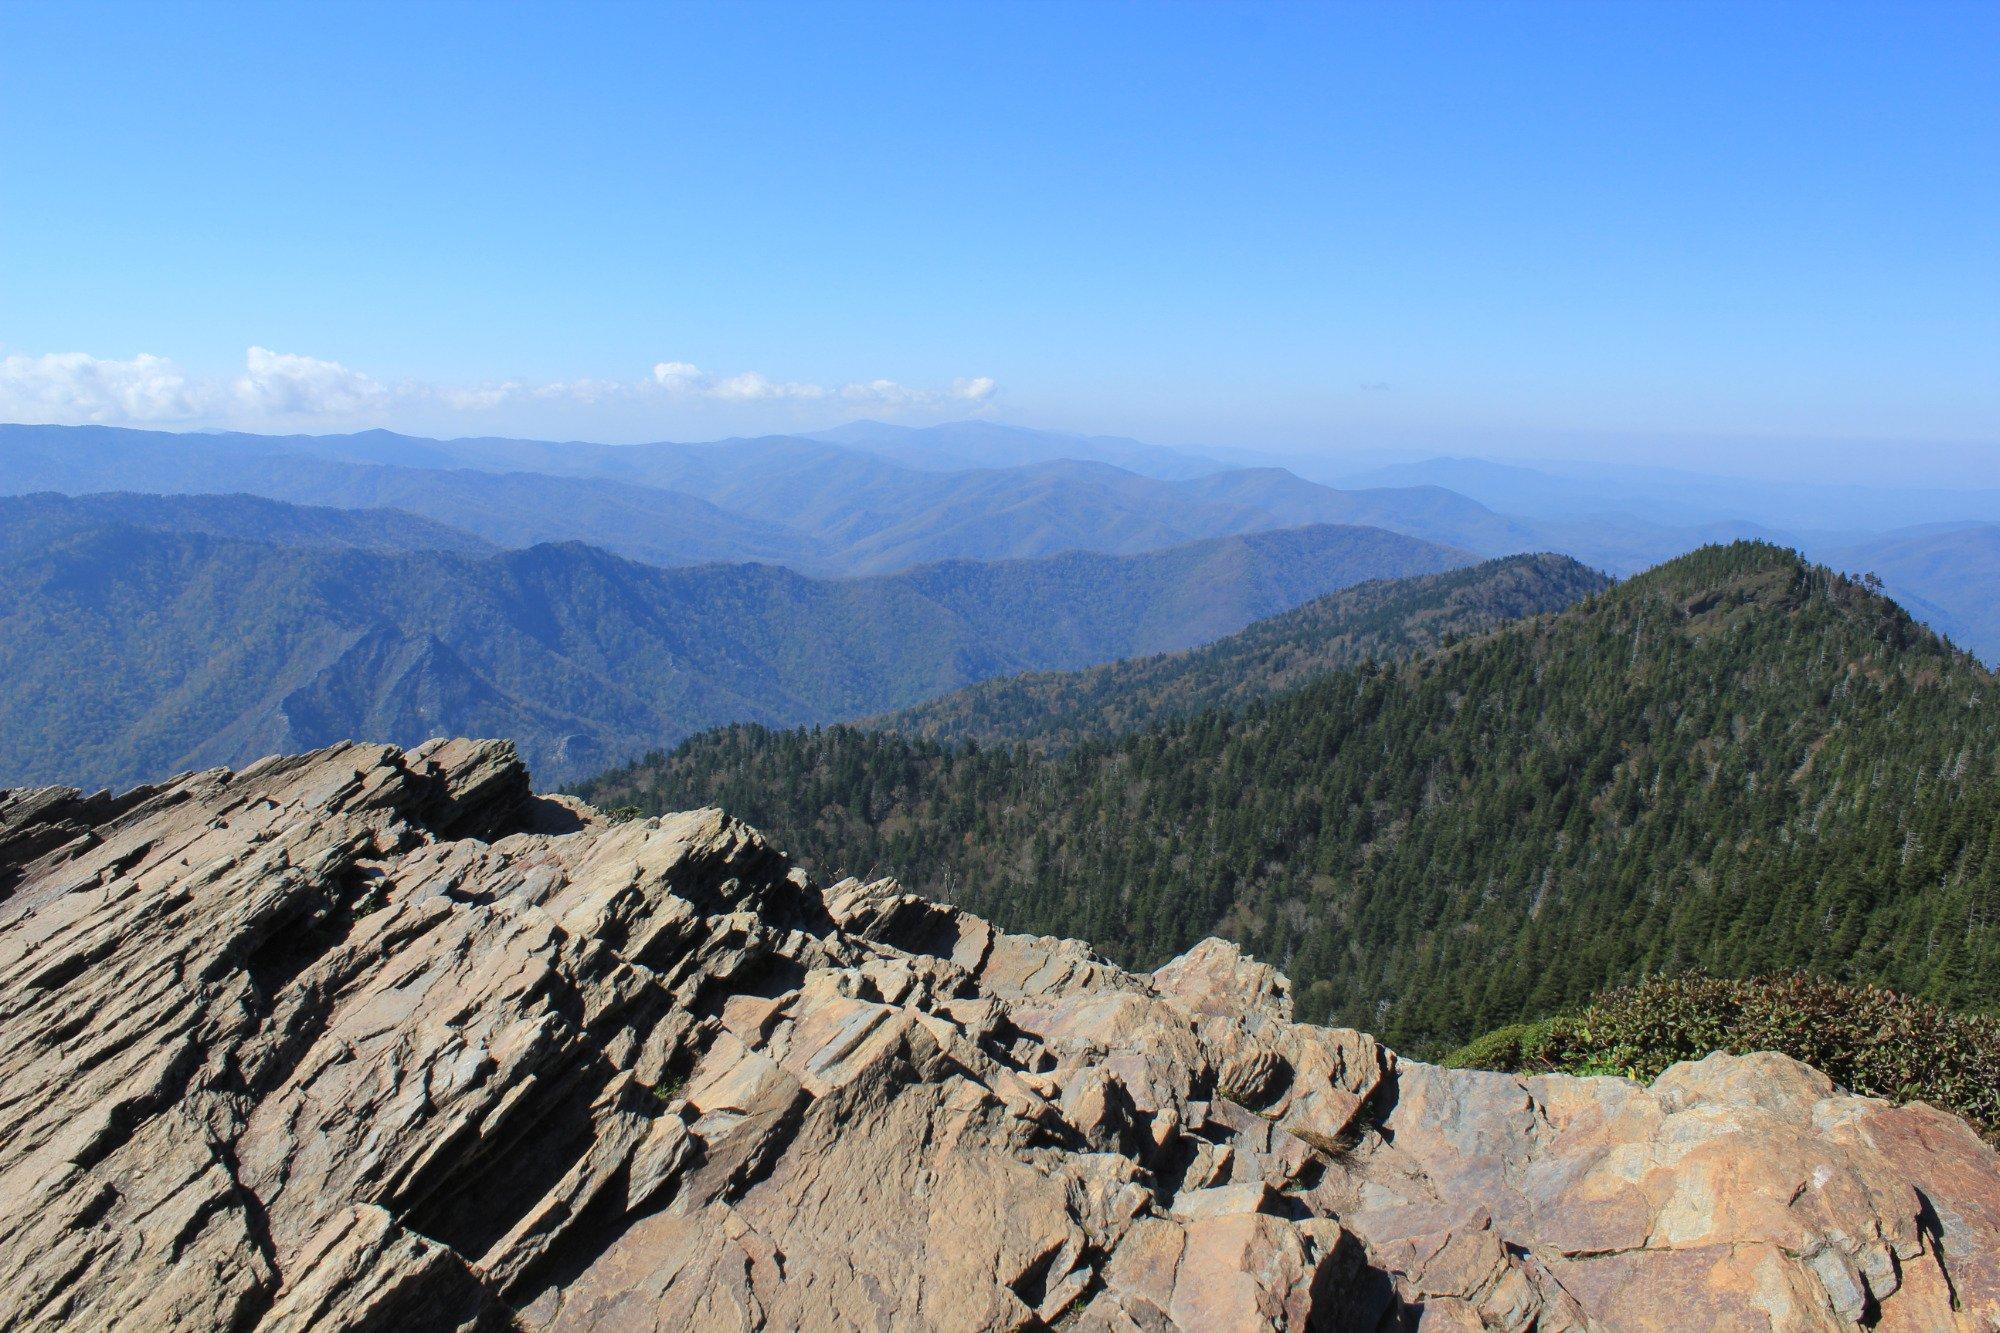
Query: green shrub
column 1867, row 1039
column 1516, row 1047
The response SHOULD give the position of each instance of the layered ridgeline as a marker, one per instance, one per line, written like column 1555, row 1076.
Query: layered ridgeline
column 1738, row 762
column 1384, row 619
column 813, row 505
column 132, row 652
column 873, row 499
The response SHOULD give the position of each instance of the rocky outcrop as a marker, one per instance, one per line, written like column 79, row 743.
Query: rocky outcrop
column 374, row 1039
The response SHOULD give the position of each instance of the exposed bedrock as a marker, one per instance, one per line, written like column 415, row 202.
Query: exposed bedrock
column 377, row 1039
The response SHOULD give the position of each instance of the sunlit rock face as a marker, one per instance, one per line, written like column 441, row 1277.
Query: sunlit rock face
column 368, row 1038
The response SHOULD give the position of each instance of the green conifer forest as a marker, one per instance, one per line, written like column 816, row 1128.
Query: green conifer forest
column 1737, row 762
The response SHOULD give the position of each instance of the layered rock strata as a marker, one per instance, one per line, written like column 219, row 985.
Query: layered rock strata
column 367, row 1039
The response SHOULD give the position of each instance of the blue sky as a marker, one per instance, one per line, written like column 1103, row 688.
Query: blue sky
column 1448, row 226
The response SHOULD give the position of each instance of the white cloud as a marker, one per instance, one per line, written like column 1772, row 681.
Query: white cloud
column 283, row 384
column 687, row 381
column 484, row 397
column 888, row 393
column 77, row 387
column 683, row 380
column 292, row 389
column 750, row 387
column 496, row 394
column 584, row 392
column 679, row 377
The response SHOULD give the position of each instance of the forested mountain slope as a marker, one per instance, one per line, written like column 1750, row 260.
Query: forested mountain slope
column 1382, row 619
column 1737, row 761
column 132, row 653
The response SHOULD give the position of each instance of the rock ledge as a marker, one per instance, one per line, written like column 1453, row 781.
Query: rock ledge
column 367, row 1038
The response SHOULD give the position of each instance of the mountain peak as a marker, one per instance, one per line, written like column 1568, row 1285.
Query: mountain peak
column 1717, row 582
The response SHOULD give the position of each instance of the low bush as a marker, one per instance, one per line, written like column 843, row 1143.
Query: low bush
column 1867, row 1039
column 1514, row 1048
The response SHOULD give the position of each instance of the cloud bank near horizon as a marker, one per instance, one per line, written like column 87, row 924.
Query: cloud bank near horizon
column 77, row 388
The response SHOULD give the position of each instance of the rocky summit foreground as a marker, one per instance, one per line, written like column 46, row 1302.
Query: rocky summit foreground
column 374, row 1039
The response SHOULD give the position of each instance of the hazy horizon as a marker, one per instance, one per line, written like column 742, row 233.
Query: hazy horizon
column 1803, row 462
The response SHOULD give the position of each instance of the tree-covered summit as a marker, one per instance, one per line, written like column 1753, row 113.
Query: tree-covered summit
column 1738, row 761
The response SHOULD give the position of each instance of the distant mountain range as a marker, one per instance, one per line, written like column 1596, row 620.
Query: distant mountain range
column 30, row 523
column 1674, row 497
column 815, row 506
column 141, row 636
column 504, row 508
column 1947, row 574
column 872, row 498
column 958, row 445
